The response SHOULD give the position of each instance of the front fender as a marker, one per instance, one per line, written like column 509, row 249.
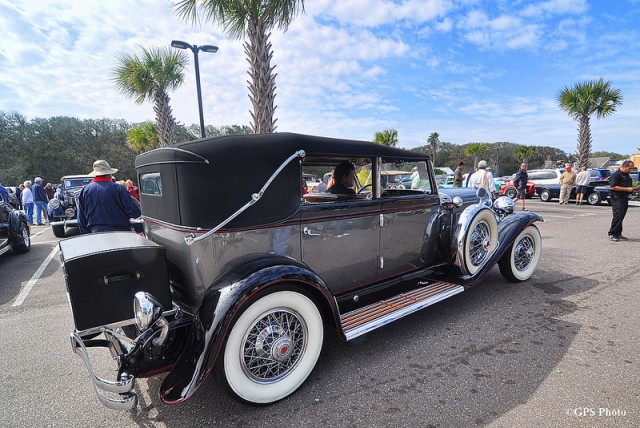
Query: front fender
column 221, row 305
column 16, row 218
column 508, row 229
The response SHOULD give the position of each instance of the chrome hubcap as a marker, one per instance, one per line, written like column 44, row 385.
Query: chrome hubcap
column 524, row 252
column 480, row 243
column 273, row 345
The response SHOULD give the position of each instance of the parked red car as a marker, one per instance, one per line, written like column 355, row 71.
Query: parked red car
column 509, row 189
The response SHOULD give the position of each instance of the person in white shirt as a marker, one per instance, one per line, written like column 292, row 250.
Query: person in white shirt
column 582, row 181
column 483, row 178
column 27, row 201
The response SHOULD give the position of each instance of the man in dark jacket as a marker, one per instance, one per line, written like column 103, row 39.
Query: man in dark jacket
column 520, row 181
column 40, row 200
column 104, row 205
column 621, row 188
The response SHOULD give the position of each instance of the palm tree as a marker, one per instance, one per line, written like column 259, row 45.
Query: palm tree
column 476, row 150
column 388, row 137
column 583, row 100
column 434, row 140
column 255, row 19
column 522, row 153
column 143, row 137
column 149, row 77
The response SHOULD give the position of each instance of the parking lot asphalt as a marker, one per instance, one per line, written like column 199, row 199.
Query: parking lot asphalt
column 560, row 350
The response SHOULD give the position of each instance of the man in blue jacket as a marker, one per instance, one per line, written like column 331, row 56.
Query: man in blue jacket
column 104, row 205
column 40, row 200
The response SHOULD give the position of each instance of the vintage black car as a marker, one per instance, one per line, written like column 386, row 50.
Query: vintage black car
column 62, row 210
column 597, row 192
column 14, row 229
column 241, row 280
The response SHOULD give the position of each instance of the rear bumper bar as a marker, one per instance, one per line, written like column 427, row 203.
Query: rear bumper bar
column 123, row 398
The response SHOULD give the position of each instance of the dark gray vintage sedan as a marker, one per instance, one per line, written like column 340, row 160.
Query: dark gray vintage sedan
column 14, row 229
column 242, row 280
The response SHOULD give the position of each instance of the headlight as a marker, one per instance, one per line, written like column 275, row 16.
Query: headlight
column 54, row 203
column 69, row 212
column 505, row 204
column 146, row 309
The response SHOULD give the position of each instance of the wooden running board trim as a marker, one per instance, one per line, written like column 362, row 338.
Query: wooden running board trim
column 368, row 318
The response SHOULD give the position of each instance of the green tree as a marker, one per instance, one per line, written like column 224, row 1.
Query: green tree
column 388, row 137
column 523, row 153
column 143, row 137
column 434, row 140
column 582, row 101
column 149, row 77
column 476, row 150
column 254, row 19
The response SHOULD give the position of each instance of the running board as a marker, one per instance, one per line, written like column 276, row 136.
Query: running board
column 368, row 318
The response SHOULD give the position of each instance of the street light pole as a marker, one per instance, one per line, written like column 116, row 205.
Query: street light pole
column 195, row 49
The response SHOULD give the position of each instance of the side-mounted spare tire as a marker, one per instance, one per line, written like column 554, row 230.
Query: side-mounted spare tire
column 481, row 241
column 521, row 260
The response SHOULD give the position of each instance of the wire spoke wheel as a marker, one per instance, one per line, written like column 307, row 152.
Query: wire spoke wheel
column 480, row 243
column 523, row 253
column 521, row 260
column 273, row 346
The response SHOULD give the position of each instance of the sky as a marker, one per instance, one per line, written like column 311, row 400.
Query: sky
column 471, row 70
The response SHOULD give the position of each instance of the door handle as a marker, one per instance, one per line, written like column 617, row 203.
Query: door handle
column 308, row 231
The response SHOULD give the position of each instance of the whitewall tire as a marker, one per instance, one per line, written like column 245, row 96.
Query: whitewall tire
column 481, row 241
column 521, row 260
column 272, row 348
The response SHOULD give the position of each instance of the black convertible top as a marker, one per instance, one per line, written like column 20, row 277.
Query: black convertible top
column 204, row 181
column 272, row 149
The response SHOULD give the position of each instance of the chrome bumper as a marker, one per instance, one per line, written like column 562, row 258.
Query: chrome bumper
column 70, row 223
column 123, row 387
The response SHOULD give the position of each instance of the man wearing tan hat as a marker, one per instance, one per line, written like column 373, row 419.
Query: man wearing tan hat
column 105, row 206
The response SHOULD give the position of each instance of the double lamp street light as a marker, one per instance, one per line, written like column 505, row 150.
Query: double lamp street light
column 195, row 49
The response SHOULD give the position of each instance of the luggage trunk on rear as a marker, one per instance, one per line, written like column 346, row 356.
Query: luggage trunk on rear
column 103, row 271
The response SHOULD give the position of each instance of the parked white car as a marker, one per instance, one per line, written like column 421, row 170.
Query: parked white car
column 545, row 176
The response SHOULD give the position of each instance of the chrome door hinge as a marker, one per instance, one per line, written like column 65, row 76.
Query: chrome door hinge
column 381, row 262
column 381, row 220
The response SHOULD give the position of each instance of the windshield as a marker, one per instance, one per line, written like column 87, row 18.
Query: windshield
column 77, row 182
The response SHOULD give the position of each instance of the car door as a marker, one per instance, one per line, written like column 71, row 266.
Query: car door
column 340, row 241
column 406, row 237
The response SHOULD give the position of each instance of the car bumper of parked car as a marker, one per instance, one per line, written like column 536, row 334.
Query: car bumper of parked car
column 67, row 223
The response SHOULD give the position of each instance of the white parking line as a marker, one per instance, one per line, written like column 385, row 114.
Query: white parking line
column 27, row 289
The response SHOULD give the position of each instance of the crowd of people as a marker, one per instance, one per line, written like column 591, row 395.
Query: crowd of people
column 99, row 212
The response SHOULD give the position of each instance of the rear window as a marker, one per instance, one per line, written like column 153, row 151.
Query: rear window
column 151, row 184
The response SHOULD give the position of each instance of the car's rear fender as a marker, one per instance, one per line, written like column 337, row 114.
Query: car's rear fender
column 222, row 304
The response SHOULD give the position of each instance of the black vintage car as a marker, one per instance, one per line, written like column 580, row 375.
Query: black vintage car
column 241, row 279
column 62, row 209
column 14, row 229
column 597, row 192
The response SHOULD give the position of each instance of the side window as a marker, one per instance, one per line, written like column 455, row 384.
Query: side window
column 151, row 184
column 398, row 177
column 319, row 184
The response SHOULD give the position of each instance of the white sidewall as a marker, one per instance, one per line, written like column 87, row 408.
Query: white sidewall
column 534, row 233
column 254, row 392
column 487, row 217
